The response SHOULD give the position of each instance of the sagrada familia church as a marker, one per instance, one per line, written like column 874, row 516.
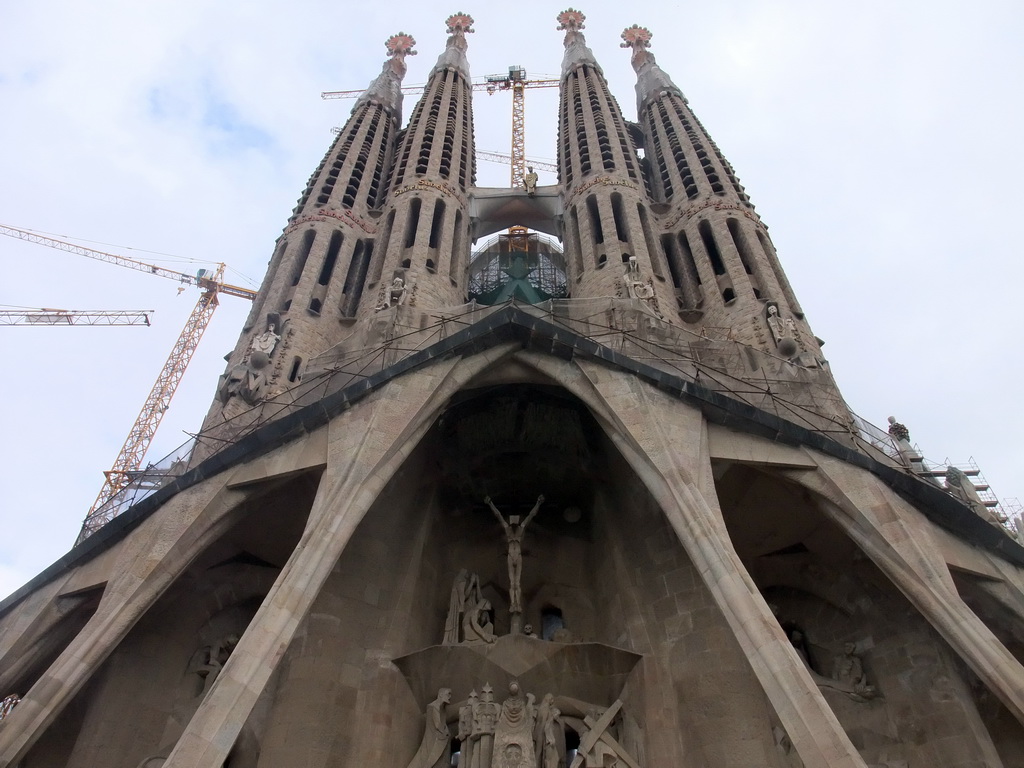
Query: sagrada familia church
column 585, row 497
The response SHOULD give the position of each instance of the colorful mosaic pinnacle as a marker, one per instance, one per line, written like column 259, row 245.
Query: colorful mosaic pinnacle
column 571, row 21
column 460, row 23
column 401, row 45
column 637, row 38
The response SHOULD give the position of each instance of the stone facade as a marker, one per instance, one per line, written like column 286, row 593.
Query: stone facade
column 696, row 560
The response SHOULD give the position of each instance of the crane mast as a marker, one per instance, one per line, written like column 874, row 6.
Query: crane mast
column 130, row 457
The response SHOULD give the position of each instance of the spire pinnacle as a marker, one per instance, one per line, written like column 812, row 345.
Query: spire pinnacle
column 576, row 50
column 459, row 25
column 651, row 80
column 386, row 89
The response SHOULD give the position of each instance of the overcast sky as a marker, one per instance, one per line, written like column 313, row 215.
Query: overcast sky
column 878, row 140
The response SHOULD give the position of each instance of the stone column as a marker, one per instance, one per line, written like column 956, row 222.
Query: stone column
column 665, row 442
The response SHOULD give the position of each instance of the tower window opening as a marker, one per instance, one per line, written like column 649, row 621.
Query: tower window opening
column 602, row 260
column 651, row 242
column 378, row 267
column 331, row 259
column 315, row 306
column 406, row 263
column 741, row 245
column 431, row 267
column 780, row 277
column 708, row 238
column 306, row 247
column 293, row 374
column 456, row 257
column 728, row 295
column 412, row 222
column 352, row 290
column 596, row 231
column 669, row 248
column 436, row 224
column 578, row 249
column 621, row 231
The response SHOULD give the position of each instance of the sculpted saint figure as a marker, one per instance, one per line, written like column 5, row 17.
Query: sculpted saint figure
column 466, row 744
column 549, row 735
column 266, row 341
column 530, row 181
column 435, row 747
column 848, row 670
column 216, row 657
column 476, row 624
column 514, row 531
column 513, row 738
column 394, row 295
column 465, row 590
column 485, row 721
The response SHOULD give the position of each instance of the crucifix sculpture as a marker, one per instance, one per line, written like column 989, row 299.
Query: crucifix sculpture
column 514, row 531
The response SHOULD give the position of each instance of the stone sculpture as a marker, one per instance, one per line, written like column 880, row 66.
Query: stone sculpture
column 394, row 295
column 901, row 438
column 266, row 341
column 784, row 331
column 465, row 732
column 216, row 657
column 465, row 589
column 897, row 431
column 514, row 531
column 848, row 669
column 476, row 623
column 960, row 487
column 598, row 748
column 242, row 381
column 549, row 735
column 435, row 748
column 485, row 722
column 638, row 286
column 513, row 737
column 530, row 181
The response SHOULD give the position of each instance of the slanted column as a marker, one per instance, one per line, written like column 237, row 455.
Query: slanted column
column 666, row 444
column 612, row 250
column 425, row 234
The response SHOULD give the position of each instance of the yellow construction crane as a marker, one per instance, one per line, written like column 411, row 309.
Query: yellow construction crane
column 129, row 460
column 51, row 317
column 515, row 81
column 502, row 157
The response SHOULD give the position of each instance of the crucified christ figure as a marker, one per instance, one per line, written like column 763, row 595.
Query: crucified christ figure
column 514, row 531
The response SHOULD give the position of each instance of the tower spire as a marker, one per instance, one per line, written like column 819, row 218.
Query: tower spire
column 576, row 50
column 315, row 281
column 651, row 80
column 721, row 261
column 386, row 88
column 423, row 245
column 454, row 55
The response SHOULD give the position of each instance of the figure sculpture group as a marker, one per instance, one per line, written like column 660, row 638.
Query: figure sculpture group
column 517, row 733
column 470, row 618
